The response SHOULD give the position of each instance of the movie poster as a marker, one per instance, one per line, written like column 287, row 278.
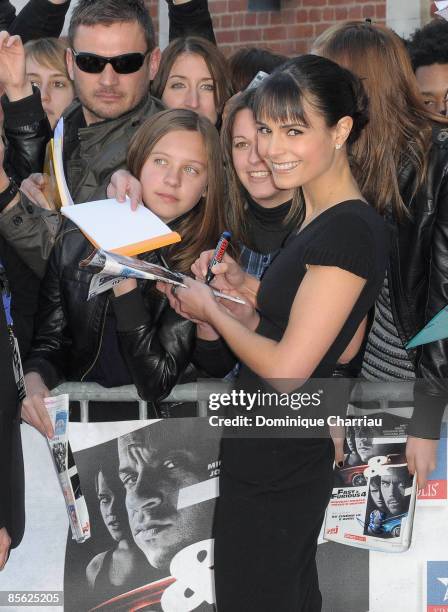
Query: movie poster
column 351, row 580
column 373, row 499
column 151, row 495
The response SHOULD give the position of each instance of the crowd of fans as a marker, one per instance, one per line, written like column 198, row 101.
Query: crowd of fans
column 180, row 133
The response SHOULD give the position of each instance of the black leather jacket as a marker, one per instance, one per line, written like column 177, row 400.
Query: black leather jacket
column 156, row 343
column 419, row 282
column 27, row 132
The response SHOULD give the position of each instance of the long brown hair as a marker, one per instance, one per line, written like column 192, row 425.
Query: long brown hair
column 399, row 130
column 214, row 59
column 201, row 227
column 236, row 212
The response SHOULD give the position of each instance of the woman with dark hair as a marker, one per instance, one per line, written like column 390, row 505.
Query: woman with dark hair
column 401, row 164
column 193, row 74
column 122, row 567
column 311, row 303
column 260, row 215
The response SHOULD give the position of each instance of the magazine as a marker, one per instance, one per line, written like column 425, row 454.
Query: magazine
column 111, row 268
column 78, row 515
column 373, row 500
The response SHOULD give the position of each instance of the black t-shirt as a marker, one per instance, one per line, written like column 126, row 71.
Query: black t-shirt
column 350, row 235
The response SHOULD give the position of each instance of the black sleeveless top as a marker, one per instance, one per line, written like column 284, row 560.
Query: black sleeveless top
column 350, row 235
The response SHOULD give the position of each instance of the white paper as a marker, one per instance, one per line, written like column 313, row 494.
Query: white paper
column 112, row 225
column 58, row 139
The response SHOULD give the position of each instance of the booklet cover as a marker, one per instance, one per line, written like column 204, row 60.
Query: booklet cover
column 373, row 501
column 110, row 269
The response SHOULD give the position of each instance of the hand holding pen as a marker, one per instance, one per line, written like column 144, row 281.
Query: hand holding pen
column 218, row 255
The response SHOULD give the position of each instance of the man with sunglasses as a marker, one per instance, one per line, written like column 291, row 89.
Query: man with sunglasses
column 111, row 59
column 112, row 64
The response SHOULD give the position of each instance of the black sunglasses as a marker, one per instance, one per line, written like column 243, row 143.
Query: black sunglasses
column 122, row 64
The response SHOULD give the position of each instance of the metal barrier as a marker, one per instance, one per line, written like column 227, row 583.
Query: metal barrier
column 92, row 392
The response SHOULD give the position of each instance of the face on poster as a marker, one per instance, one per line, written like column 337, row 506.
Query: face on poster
column 151, row 496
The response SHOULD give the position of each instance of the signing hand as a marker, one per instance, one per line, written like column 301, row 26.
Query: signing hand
column 122, row 184
column 34, row 410
column 421, row 457
column 228, row 274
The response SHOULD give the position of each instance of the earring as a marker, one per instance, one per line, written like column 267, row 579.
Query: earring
column 338, row 146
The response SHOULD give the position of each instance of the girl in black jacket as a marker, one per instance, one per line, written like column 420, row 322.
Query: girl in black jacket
column 134, row 337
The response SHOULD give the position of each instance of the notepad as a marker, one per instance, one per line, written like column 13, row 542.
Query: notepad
column 113, row 226
column 436, row 329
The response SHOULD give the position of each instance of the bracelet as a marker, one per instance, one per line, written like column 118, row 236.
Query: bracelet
column 7, row 196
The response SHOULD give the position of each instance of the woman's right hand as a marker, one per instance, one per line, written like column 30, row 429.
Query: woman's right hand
column 229, row 276
column 122, row 184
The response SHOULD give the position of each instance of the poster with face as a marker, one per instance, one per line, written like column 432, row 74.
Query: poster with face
column 351, row 579
column 388, row 502
column 151, row 496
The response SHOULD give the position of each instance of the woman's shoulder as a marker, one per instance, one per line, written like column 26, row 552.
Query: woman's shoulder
column 352, row 236
column 356, row 219
column 358, row 208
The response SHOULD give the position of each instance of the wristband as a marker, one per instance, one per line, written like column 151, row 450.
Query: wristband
column 7, row 196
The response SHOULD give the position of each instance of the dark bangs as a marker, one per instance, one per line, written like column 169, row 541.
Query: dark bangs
column 280, row 99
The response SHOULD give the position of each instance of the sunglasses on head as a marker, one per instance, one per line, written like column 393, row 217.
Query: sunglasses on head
column 122, row 64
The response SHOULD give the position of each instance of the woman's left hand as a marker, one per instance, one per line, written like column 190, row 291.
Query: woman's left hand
column 194, row 302
column 421, row 455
